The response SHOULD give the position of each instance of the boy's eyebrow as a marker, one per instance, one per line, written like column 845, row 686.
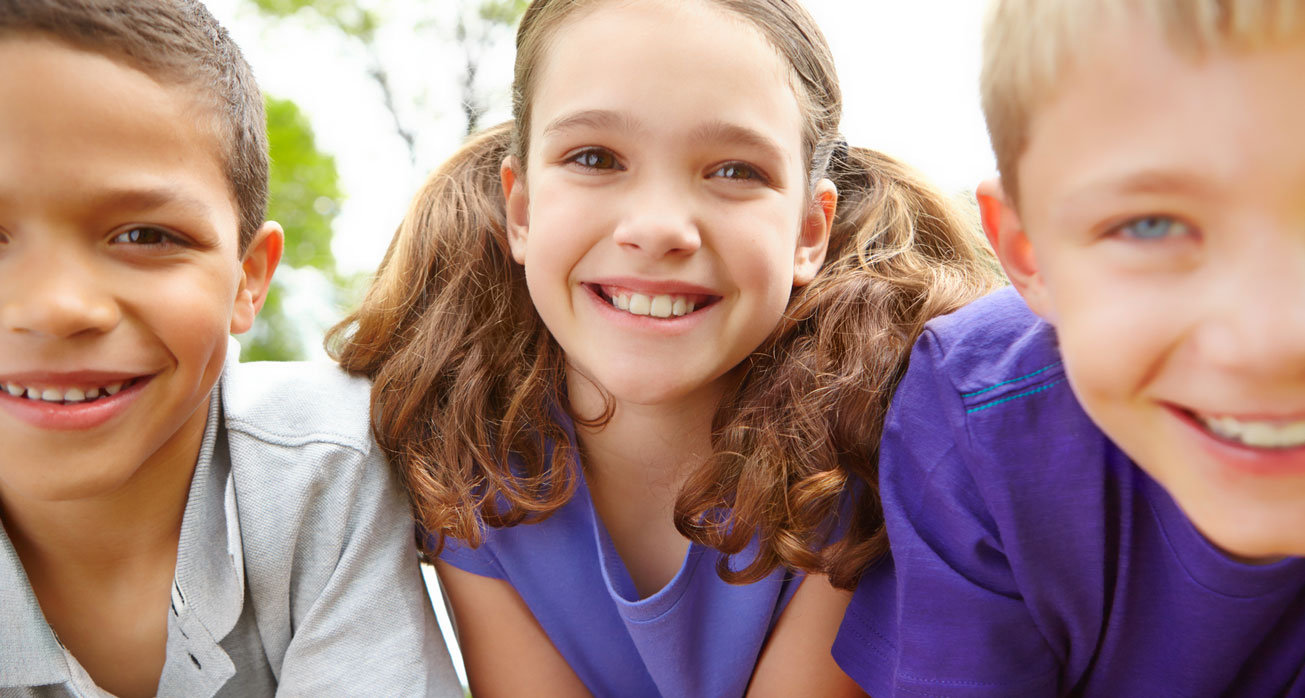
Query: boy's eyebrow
column 137, row 199
column 599, row 119
column 1156, row 181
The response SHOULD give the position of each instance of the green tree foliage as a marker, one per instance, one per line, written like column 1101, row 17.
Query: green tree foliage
column 304, row 196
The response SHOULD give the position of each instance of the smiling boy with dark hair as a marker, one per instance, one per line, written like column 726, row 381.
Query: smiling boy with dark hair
column 174, row 523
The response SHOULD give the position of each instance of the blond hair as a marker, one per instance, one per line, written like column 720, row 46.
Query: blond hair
column 469, row 402
column 1029, row 46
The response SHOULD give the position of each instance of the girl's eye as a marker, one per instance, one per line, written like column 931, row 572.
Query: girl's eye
column 147, row 236
column 1154, row 228
column 739, row 172
column 595, row 159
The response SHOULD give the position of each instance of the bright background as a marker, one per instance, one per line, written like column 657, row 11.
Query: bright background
column 909, row 72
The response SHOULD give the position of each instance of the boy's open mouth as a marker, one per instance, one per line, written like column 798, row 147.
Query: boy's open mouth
column 68, row 396
column 1262, row 434
column 660, row 305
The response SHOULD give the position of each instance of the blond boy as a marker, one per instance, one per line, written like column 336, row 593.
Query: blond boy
column 1096, row 487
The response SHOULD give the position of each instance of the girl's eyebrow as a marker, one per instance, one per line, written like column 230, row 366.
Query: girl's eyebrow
column 598, row 119
column 734, row 134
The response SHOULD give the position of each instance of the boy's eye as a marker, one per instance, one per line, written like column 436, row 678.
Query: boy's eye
column 144, row 235
column 595, row 159
column 739, row 172
column 1154, row 228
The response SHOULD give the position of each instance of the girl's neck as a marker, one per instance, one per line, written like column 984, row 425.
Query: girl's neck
column 654, row 445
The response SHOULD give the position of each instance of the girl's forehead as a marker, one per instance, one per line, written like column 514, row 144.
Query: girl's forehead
column 664, row 62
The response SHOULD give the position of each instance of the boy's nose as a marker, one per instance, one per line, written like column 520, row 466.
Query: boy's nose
column 659, row 223
column 1259, row 325
column 54, row 299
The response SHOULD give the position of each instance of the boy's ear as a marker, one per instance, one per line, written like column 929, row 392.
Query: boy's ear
column 256, row 269
column 516, row 200
column 1006, row 235
column 813, row 238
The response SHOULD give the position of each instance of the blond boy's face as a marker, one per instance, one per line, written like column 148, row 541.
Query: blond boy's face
column 119, row 273
column 1164, row 200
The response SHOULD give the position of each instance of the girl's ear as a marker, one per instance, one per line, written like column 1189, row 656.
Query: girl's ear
column 813, row 239
column 256, row 269
column 1006, row 235
column 517, row 203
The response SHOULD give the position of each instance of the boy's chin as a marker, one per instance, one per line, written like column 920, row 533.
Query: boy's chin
column 1254, row 543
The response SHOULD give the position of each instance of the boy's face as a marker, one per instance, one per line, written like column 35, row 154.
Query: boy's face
column 120, row 277
column 1161, row 229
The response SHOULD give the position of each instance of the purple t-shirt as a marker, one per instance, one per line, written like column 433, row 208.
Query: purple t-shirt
column 1031, row 557
column 697, row 636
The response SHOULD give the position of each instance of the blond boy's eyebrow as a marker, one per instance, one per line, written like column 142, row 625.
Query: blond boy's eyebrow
column 597, row 119
column 1086, row 198
column 1150, row 182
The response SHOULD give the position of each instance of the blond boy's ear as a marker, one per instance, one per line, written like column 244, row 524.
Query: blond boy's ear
column 256, row 269
column 813, row 239
column 1006, row 235
column 517, row 203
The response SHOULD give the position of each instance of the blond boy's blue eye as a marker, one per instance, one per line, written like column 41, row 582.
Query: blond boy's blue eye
column 1154, row 228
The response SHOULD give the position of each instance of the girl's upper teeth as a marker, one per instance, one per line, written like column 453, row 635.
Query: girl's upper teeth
column 660, row 305
column 63, row 394
column 1260, row 434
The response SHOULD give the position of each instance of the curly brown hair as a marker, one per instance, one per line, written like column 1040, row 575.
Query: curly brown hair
column 466, row 373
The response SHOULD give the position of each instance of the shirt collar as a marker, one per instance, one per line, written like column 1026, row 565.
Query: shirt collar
column 32, row 654
column 210, row 562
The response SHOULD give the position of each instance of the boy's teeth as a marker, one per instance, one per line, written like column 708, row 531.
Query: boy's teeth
column 1257, row 434
column 57, row 395
column 659, row 306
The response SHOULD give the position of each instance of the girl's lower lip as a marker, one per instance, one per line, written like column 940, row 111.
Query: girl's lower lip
column 1261, row 462
column 647, row 323
column 78, row 416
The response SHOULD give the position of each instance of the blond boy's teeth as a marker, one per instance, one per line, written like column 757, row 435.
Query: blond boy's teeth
column 61, row 396
column 1257, row 434
column 658, row 306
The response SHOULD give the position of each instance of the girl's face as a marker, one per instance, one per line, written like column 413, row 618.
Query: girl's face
column 664, row 216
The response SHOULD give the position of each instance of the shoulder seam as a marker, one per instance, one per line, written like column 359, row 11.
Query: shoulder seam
column 1013, row 380
column 297, row 439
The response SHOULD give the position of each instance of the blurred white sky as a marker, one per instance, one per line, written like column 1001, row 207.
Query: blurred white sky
column 909, row 73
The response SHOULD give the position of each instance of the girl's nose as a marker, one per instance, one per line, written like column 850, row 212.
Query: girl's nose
column 659, row 224
column 55, row 298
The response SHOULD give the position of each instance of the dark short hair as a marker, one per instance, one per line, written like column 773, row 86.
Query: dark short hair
column 175, row 41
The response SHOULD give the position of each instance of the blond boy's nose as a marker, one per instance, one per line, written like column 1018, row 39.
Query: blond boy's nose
column 1259, row 324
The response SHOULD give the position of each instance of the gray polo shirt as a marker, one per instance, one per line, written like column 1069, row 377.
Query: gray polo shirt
column 296, row 569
